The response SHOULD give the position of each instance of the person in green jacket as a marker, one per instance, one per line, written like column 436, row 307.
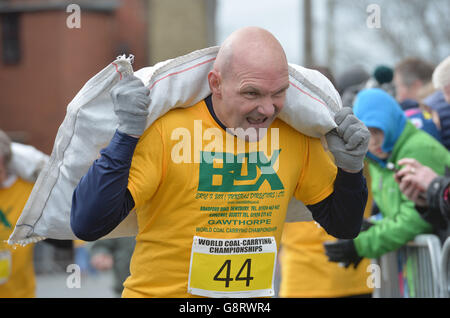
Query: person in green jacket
column 393, row 137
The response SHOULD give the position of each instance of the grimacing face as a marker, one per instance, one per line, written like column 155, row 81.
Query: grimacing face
column 253, row 98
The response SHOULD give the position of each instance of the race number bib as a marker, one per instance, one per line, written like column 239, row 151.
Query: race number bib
column 243, row 267
column 5, row 266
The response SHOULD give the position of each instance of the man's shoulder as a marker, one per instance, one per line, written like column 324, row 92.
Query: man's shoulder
column 182, row 116
column 285, row 129
column 198, row 114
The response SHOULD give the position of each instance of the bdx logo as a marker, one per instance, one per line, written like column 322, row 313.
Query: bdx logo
column 238, row 173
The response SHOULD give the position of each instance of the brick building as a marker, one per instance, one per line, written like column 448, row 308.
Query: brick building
column 44, row 60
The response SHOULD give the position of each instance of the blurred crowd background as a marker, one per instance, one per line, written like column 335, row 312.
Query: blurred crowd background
column 45, row 58
column 44, row 62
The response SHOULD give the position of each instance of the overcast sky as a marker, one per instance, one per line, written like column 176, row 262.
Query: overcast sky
column 280, row 17
column 355, row 41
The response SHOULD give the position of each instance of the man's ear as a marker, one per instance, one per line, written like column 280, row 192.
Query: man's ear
column 215, row 83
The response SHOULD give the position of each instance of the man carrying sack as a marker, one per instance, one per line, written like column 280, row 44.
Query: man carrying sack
column 210, row 215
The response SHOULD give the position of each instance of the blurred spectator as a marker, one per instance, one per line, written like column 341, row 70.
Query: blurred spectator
column 17, row 278
column 438, row 100
column 441, row 78
column 53, row 256
column 410, row 76
column 421, row 118
column 305, row 269
column 382, row 78
column 83, row 258
column 357, row 79
column 429, row 191
column 350, row 82
column 437, row 103
column 393, row 137
column 113, row 254
column 425, row 91
column 352, row 76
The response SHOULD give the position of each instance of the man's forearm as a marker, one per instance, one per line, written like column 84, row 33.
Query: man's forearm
column 101, row 199
column 341, row 213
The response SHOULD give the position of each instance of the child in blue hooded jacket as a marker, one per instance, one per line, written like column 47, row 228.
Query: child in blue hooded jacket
column 393, row 137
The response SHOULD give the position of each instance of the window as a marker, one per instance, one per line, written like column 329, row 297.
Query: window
column 11, row 52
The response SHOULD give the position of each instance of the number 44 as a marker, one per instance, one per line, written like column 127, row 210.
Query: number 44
column 226, row 266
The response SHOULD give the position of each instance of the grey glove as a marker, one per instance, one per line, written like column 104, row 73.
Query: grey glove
column 131, row 100
column 349, row 141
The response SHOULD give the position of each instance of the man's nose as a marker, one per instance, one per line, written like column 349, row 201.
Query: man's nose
column 267, row 107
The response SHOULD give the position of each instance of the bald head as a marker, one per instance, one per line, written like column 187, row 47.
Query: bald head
column 249, row 81
column 250, row 46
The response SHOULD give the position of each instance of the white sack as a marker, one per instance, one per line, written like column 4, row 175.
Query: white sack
column 26, row 161
column 90, row 123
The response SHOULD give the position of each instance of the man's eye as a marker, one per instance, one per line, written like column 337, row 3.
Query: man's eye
column 251, row 94
column 280, row 94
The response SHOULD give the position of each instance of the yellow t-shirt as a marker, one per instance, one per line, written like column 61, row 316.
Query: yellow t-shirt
column 17, row 277
column 305, row 269
column 230, row 194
